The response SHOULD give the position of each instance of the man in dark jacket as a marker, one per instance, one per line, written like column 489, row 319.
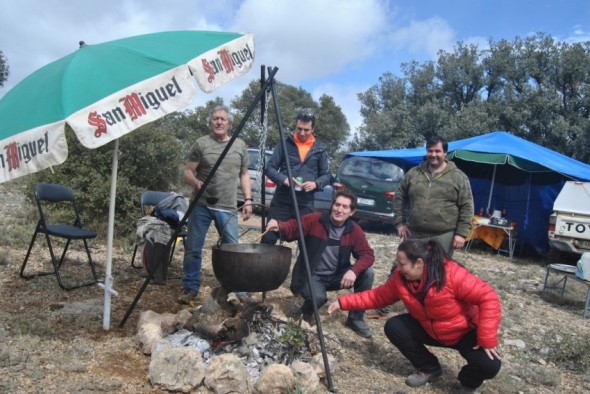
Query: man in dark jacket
column 308, row 159
column 331, row 238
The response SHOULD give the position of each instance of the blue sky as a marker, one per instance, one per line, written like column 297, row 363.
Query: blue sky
column 334, row 47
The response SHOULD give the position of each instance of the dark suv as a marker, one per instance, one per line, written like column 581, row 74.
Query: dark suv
column 374, row 182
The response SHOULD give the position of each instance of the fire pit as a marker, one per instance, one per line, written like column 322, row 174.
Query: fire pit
column 205, row 348
column 225, row 325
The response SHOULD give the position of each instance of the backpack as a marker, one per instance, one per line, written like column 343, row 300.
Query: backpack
column 171, row 209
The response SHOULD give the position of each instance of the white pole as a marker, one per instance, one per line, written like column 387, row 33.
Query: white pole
column 108, row 279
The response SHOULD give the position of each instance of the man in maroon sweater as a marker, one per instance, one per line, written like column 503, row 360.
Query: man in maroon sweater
column 331, row 238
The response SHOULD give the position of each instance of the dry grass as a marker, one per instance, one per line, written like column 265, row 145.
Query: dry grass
column 53, row 341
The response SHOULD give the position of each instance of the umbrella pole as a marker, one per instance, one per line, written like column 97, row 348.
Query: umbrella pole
column 108, row 278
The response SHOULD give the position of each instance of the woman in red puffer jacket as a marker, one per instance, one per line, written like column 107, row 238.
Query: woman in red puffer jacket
column 447, row 307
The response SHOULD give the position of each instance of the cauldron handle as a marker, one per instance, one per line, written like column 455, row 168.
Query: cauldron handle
column 227, row 221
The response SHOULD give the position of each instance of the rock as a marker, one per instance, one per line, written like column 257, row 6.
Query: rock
column 275, row 379
column 176, row 369
column 153, row 326
column 305, row 376
column 318, row 363
column 517, row 343
column 148, row 317
column 147, row 335
column 167, row 321
column 226, row 374
column 182, row 316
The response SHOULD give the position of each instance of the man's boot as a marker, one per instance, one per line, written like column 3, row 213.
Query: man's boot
column 357, row 324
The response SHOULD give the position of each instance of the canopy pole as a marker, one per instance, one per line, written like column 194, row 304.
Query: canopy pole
column 491, row 188
column 525, row 224
column 108, row 278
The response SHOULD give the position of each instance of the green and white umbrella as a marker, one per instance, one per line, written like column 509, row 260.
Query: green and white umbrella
column 107, row 90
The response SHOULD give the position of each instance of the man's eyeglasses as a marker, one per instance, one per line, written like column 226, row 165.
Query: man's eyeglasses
column 306, row 116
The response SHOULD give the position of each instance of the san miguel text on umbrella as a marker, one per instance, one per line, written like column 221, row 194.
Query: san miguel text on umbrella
column 227, row 61
column 16, row 153
column 135, row 105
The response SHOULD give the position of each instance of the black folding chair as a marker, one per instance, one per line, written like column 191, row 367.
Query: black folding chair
column 62, row 198
column 153, row 198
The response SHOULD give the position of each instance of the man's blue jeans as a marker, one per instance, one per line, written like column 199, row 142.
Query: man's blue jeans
column 198, row 224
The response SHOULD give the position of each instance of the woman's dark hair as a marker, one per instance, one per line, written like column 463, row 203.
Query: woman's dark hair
column 432, row 253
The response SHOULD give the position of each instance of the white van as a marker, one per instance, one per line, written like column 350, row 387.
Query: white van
column 569, row 224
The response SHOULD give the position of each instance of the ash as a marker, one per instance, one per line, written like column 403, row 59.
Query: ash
column 268, row 343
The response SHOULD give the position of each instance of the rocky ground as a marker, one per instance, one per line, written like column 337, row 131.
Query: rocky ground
column 53, row 341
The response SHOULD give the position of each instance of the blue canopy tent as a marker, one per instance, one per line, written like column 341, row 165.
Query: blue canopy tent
column 505, row 172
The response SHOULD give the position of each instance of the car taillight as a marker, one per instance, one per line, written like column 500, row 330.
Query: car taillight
column 551, row 228
column 390, row 195
column 338, row 186
column 268, row 182
column 552, row 221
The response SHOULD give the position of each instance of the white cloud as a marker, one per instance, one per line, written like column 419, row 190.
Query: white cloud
column 578, row 34
column 310, row 39
column 481, row 42
column 34, row 33
column 334, row 47
column 307, row 40
column 425, row 37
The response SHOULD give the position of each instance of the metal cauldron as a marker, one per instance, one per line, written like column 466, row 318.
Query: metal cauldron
column 251, row 267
